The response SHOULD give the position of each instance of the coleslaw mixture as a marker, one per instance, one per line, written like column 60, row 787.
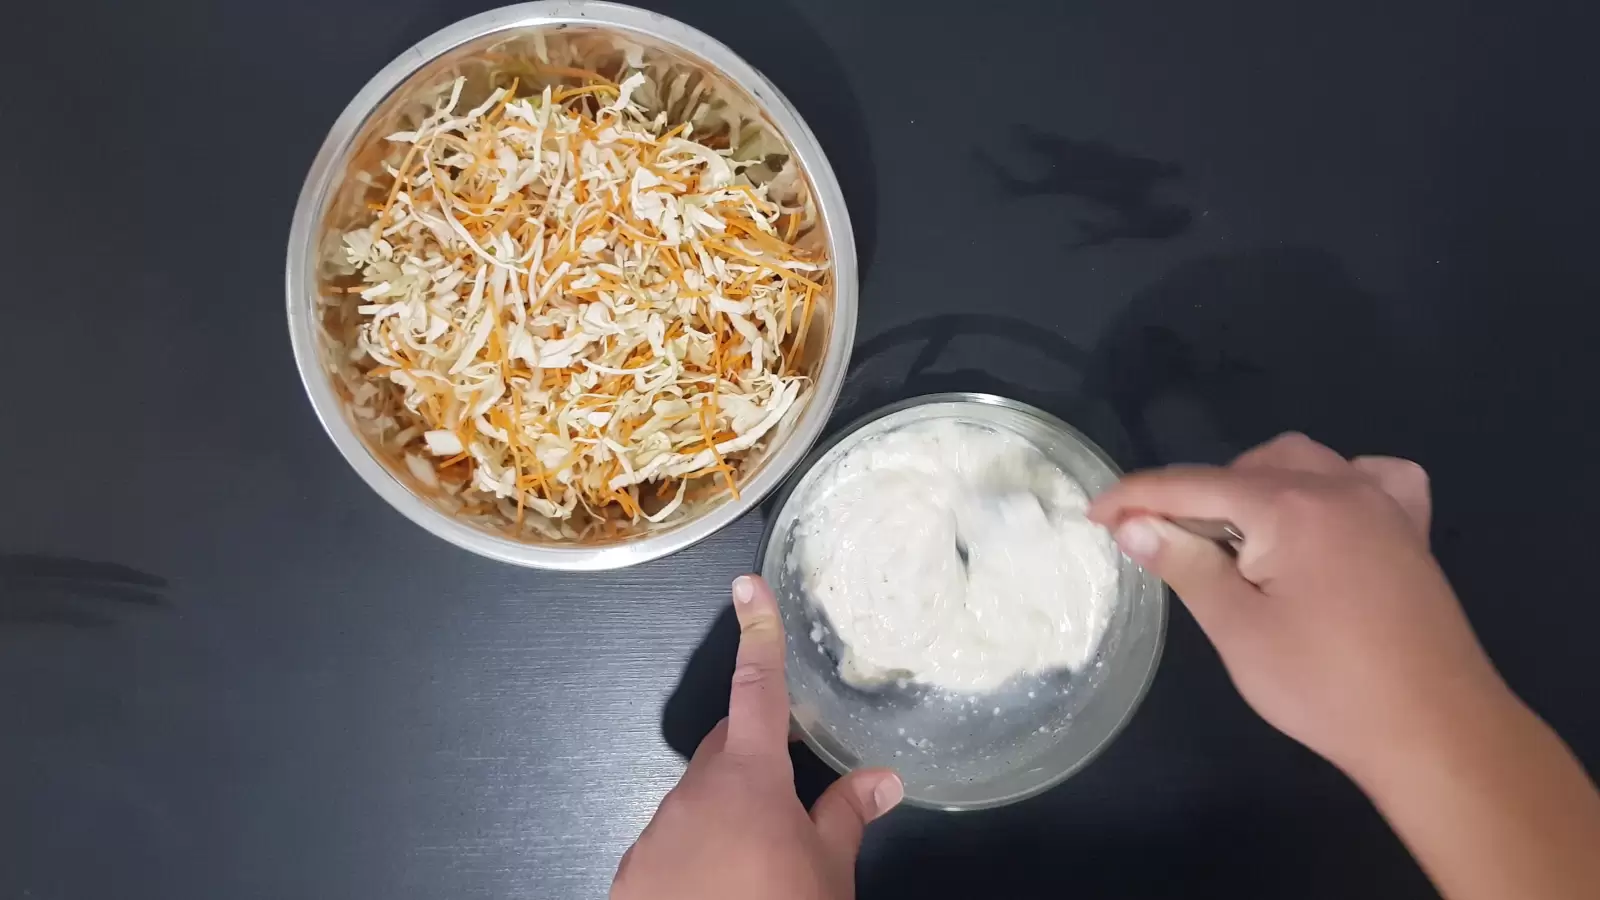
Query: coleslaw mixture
column 575, row 306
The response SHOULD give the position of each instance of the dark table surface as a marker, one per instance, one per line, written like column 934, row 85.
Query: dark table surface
column 227, row 669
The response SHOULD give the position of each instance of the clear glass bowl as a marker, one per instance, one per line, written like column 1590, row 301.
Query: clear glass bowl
column 959, row 752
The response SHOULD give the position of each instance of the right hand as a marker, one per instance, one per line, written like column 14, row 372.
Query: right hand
column 1335, row 622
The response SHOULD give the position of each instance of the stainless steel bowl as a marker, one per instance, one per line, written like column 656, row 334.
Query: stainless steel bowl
column 462, row 48
column 958, row 752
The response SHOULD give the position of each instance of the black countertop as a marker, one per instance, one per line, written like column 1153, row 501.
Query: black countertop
column 227, row 669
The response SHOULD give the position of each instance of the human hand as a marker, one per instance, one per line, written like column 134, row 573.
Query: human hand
column 1335, row 622
column 733, row 826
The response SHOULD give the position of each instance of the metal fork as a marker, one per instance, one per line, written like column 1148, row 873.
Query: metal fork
column 1220, row 530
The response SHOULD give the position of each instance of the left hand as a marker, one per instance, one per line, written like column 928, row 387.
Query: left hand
column 733, row 826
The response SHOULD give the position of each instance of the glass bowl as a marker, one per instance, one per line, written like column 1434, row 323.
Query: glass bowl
column 966, row 751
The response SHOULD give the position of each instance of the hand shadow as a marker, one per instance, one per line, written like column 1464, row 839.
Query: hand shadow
column 1226, row 351
column 1114, row 193
column 1220, row 354
column 700, row 701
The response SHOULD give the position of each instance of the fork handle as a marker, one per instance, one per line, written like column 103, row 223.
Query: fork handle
column 1220, row 530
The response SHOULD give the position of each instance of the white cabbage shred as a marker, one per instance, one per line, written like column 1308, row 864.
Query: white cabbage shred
column 566, row 310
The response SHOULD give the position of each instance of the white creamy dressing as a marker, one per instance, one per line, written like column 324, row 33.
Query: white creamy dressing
column 955, row 556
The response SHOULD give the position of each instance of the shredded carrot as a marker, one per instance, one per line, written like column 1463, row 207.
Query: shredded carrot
column 538, row 476
column 511, row 209
column 625, row 500
column 711, row 444
column 630, row 231
column 455, row 170
column 512, row 426
column 394, row 190
column 756, row 260
column 764, row 205
column 511, row 94
column 766, row 242
column 795, row 355
column 670, row 257
column 572, row 72
column 564, row 96
column 788, row 312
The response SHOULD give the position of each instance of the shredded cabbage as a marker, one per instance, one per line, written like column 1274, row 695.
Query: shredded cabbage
column 570, row 311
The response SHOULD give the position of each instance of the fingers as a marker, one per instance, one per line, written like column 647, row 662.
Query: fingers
column 622, row 866
column 842, row 812
column 1294, row 451
column 1202, row 492
column 1202, row 575
column 758, row 708
column 1403, row 480
column 710, row 746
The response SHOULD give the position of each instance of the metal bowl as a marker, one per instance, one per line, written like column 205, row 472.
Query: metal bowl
column 331, row 194
column 967, row 751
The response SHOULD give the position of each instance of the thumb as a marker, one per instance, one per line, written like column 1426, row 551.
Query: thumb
column 1204, row 576
column 842, row 812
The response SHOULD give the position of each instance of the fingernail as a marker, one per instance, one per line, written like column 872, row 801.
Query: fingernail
column 744, row 589
column 1138, row 538
column 888, row 794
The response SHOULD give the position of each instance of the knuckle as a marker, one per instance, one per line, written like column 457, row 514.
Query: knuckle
column 1303, row 512
column 764, row 634
column 759, row 627
column 1367, row 496
column 621, row 882
column 1287, row 447
column 1294, row 450
column 753, row 672
column 674, row 806
column 1298, row 502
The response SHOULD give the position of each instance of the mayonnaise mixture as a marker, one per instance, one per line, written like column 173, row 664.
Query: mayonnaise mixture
column 955, row 556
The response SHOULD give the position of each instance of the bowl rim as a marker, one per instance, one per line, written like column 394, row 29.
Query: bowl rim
column 1161, row 599
column 319, row 186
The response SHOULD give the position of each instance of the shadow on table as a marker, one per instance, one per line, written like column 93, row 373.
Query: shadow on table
column 1114, row 194
column 76, row 593
column 1245, row 851
column 1219, row 354
column 700, row 701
